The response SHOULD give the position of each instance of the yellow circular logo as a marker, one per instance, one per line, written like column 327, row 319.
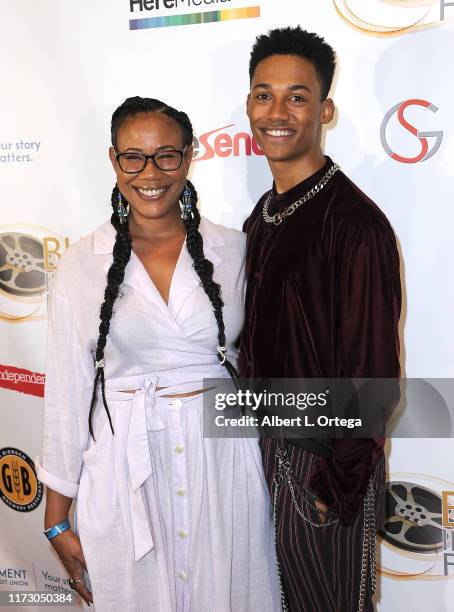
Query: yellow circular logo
column 20, row 489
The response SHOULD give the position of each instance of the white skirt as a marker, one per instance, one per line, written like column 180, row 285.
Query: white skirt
column 170, row 521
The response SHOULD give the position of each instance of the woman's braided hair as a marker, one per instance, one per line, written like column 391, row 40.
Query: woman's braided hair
column 123, row 245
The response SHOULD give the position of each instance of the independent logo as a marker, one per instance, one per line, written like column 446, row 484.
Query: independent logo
column 19, row 485
column 427, row 149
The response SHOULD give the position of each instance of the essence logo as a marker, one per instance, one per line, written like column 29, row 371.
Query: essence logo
column 426, row 152
column 224, row 144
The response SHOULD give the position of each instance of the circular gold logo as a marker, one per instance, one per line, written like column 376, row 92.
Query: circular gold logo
column 20, row 489
column 21, row 264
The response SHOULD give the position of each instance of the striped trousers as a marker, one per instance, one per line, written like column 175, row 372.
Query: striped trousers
column 320, row 565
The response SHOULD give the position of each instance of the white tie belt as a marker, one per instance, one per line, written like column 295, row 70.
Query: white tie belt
column 132, row 420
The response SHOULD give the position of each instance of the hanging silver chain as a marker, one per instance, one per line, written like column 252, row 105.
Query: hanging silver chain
column 284, row 605
column 369, row 548
column 279, row 217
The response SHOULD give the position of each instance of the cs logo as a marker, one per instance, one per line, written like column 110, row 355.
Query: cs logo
column 425, row 152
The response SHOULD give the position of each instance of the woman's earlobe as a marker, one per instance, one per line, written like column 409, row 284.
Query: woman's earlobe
column 112, row 157
column 189, row 153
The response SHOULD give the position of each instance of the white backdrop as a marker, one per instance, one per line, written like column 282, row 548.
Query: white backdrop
column 65, row 66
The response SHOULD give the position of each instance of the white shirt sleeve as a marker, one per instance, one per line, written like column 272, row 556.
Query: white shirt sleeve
column 68, row 391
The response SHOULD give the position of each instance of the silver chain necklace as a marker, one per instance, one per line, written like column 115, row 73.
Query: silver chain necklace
column 279, row 217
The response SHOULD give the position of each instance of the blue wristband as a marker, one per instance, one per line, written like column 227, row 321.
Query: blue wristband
column 57, row 529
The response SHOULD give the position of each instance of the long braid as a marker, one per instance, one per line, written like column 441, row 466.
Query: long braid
column 115, row 277
column 204, row 269
column 194, row 242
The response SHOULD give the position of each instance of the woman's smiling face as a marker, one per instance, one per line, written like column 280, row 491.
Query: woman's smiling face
column 151, row 193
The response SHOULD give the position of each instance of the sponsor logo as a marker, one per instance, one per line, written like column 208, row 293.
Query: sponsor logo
column 14, row 576
column 393, row 17
column 19, row 486
column 426, row 151
column 23, row 381
column 418, row 530
column 219, row 143
column 29, row 255
column 165, row 8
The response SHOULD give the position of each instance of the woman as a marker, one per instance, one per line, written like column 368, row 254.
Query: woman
column 167, row 520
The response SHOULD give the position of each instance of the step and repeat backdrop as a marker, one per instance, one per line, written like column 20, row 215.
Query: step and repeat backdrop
column 65, row 66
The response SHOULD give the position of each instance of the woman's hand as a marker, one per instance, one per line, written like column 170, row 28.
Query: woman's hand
column 68, row 548
column 67, row 544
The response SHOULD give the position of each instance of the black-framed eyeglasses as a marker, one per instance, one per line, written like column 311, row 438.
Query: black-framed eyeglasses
column 133, row 162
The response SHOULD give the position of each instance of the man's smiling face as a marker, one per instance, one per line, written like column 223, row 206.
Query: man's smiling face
column 285, row 108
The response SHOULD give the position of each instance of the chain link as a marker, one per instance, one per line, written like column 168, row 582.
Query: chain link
column 284, row 605
column 279, row 217
column 369, row 549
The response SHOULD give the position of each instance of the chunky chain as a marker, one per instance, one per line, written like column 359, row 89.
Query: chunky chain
column 284, row 605
column 279, row 217
column 368, row 557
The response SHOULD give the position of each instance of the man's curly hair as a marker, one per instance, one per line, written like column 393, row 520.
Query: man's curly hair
column 295, row 41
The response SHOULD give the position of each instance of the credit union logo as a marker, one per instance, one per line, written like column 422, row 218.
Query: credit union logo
column 426, row 150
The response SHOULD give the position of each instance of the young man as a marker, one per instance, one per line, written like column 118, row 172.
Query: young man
column 323, row 300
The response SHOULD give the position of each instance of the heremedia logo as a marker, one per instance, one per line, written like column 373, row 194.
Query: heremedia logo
column 162, row 13
column 426, row 151
column 151, row 5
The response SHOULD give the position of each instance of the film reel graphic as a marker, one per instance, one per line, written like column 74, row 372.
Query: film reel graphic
column 22, row 271
column 29, row 256
column 413, row 517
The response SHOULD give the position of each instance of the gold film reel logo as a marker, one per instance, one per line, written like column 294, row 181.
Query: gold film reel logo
column 19, row 485
column 417, row 535
column 394, row 17
column 28, row 257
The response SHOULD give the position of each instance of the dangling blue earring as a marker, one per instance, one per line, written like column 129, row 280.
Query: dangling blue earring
column 186, row 204
column 122, row 212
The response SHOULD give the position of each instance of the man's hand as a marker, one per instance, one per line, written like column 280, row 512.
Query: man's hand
column 323, row 508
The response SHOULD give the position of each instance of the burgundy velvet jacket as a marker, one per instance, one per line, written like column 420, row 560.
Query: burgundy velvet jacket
column 323, row 300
